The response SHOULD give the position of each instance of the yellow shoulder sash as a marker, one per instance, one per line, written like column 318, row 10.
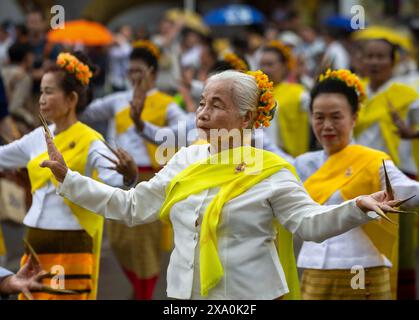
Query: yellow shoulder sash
column 211, row 173
column 376, row 110
column 73, row 144
column 294, row 126
column 354, row 171
column 155, row 111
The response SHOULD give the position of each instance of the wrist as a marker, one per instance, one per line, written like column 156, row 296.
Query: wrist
column 6, row 286
column 139, row 124
column 65, row 171
column 129, row 180
column 359, row 204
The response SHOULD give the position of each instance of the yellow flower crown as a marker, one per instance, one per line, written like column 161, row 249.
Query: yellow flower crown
column 236, row 62
column 350, row 79
column 285, row 51
column 267, row 104
column 73, row 65
column 149, row 46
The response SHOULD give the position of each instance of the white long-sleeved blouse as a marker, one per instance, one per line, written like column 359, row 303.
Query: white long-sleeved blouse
column 48, row 210
column 353, row 247
column 245, row 232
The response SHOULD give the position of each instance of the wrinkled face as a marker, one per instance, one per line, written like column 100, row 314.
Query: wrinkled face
column 332, row 121
column 136, row 70
column 377, row 61
column 217, row 109
column 54, row 104
column 272, row 66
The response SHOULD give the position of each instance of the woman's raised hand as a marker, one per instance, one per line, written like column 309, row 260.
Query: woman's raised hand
column 141, row 87
column 56, row 161
column 124, row 164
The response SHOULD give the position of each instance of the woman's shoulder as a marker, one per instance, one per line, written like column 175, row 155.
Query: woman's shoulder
column 191, row 154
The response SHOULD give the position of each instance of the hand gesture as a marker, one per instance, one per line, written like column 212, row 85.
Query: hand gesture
column 124, row 164
column 382, row 201
column 27, row 279
column 141, row 87
column 402, row 129
column 56, row 161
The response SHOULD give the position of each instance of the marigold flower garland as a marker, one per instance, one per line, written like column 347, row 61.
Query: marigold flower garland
column 149, row 46
column 267, row 104
column 236, row 62
column 351, row 80
column 73, row 65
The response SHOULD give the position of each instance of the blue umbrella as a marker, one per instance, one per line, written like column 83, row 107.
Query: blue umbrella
column 339, row 22
column 234, row 15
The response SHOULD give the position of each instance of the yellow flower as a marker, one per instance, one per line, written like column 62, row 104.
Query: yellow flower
column 266, row 99
column 149, row 46
column 350, row 79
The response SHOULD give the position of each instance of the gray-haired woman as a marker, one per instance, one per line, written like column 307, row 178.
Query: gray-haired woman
column 226, row 215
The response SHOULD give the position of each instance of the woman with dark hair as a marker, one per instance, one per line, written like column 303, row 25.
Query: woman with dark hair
column 66, row 238
column 137, row 249
column 232, row 207
column 291, row 130
column 342, row 171
column 375, row 129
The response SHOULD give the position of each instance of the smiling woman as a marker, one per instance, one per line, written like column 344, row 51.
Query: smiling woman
column 228, row 224
column 343, row 171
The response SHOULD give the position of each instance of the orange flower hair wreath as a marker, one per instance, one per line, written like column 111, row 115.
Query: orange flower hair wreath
column 350, row 79
column 149, row 46
column 285, row 51
column 73, row 65
column 267, row 104
column 236, row 62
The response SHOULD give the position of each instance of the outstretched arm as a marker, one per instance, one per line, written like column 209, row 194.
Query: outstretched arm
column 297, row 212
column 135, row 206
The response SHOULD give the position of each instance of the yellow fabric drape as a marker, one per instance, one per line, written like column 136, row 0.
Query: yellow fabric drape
column 2, row 244
column 211, row 173
column 355, row 171
column 73, row 144
column 294, row 126
column 155, row 110
column 376, row 110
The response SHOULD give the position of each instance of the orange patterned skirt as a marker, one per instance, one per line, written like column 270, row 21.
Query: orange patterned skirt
column 68, row 257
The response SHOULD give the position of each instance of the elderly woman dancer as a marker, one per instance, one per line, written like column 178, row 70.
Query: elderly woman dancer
column 228, row 202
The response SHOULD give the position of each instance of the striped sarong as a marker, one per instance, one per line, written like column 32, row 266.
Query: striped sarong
column 67, row 255
column 338, row 285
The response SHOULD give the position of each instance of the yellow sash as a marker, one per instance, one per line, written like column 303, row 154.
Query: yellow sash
column 208, row 174
column 354, row 171
column 376, row 110
column 294, row 126
column 155, row 110
column 74, row 144
column 2, row 245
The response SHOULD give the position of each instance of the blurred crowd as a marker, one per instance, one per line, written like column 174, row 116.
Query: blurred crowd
column 190, row 51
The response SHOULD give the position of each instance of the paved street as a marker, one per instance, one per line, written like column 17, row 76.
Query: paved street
column 113, row 283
